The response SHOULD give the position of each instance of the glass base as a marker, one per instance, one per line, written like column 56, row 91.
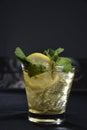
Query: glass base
column 57, row 119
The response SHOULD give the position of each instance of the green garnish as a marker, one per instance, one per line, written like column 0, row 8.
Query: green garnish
column 32, row 69
column 66, row 63
column 59, row 61
column 53, row 54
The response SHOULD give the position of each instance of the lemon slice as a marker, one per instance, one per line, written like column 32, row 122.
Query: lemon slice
column 43, row 80
column 39, row 58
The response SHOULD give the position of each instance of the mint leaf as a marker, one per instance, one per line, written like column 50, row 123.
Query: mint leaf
column 49, row 53
column 57, row 60
column 56, row 54
column 31, row 69
column 66, row 63
column 34, row 69
column 19, row 53
column 53, row 54
column 58, row 51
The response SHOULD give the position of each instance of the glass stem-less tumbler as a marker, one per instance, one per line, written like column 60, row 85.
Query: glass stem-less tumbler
column 47, row 104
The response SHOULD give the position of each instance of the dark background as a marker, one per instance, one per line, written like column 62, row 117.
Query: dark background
column 35, row 25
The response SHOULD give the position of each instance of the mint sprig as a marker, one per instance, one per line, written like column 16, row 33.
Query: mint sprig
column 59, row 61
column 34, row 69
column 66, row 63
column 29, row 67
column 53, row 54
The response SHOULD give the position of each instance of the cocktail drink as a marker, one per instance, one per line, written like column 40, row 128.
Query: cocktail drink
column 48, row 84
column 48, row 99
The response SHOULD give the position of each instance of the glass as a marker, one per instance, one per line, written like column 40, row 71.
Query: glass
column 48, row 105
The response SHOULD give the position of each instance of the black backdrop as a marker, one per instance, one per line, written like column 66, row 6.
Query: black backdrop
column 35, row 25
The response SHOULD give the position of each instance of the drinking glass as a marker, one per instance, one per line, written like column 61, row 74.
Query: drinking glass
column 48, row 105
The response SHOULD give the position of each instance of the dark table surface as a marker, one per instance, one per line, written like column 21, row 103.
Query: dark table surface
column 13, row 112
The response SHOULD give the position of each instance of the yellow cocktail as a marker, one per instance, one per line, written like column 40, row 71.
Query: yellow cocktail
column 47, row 92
